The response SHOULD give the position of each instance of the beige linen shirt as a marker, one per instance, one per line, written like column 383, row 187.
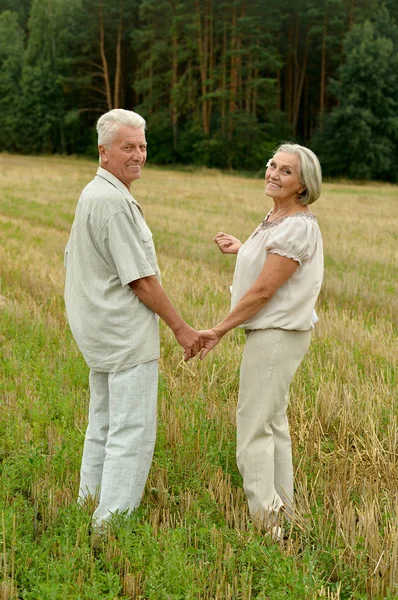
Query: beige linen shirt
column 110, row 245
column 298, row 237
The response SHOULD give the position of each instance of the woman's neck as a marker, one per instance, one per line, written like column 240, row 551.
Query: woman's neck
column 289, row 207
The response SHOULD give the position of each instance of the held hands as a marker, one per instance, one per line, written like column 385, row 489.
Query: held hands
column 210, row 339
column 190, row 340
column 228, row 244
column 194, row 341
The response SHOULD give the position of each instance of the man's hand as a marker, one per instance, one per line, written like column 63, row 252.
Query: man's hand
column 189, row 339
column 210, row 339
column 228, row 244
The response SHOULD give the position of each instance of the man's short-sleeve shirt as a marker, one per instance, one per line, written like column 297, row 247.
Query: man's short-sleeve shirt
column 110, row 245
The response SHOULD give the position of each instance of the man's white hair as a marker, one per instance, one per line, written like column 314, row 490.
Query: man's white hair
column 108, row 125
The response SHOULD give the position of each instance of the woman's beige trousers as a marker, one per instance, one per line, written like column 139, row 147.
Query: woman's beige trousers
column 264, row 455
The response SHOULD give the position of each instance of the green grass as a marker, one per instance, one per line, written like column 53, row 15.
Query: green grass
column 192, row 538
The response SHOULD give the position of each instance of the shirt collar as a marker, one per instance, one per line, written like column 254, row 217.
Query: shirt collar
column 117, row 183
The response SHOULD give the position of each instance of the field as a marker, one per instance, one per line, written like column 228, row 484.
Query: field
column 191, row 538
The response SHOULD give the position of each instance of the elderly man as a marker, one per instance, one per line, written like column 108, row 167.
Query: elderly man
column 113, row 298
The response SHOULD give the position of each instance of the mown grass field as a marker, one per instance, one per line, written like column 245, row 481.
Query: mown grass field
column 191, row 538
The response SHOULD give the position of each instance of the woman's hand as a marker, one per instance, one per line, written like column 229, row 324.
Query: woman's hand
column 227, row 243
column 210, row 339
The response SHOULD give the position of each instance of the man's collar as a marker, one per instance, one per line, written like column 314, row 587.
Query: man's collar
column 116, row 182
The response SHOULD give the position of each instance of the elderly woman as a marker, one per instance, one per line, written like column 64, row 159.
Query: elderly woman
column 277, row 279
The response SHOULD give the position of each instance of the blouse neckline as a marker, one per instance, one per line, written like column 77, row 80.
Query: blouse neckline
column 268, row 225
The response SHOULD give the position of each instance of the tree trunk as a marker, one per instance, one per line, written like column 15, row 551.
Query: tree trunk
column 351, row 16
column 174, row 110
column 323, row 71
column 249, row 87
column 239, row 83
column 296, row 70
column 103, row 58
column 306, row 123
column 190, row 88
column 118, row 73
column 224, row 79
column 254, row 99
column 278, row 80
column 210, row 22
column 233, row 76
column 151, row 87
column 202, row 51
column 239, row 74
column 299, row 81
column 288, row 96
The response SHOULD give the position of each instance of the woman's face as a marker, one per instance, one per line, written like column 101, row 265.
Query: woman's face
column 282, row 179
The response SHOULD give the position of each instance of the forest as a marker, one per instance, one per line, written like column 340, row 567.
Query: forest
column 220, row 83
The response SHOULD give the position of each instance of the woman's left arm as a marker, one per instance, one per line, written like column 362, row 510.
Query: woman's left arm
column 275, row 272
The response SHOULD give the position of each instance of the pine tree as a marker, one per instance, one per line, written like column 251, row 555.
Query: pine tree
column 11, row 65
column 360, row 137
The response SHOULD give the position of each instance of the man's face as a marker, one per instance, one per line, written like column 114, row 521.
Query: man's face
column 126, row 156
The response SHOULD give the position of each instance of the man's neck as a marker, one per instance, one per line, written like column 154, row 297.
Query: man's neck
column 125, row 184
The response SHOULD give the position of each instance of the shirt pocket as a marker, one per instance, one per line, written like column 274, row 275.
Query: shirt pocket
column 145, row 232
column 66, row 254
column 149, row 248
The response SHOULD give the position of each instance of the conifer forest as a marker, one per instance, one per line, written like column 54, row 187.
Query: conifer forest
column 220, row 83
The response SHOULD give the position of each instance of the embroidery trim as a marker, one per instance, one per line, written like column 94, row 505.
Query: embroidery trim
column 267, row 225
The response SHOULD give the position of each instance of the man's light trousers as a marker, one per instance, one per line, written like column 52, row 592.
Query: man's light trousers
column 120, row 439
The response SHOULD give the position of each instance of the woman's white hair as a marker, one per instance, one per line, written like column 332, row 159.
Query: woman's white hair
column 108, row 125
column 309, row 170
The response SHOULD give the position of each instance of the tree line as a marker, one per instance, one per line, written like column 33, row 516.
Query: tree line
column 219, row 82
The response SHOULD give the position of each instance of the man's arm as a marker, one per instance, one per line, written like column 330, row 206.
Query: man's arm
column 151, row 293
